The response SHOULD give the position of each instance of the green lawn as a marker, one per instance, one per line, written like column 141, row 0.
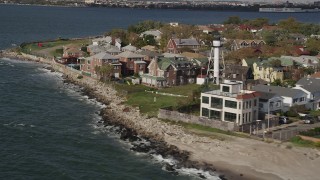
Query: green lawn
column 298, row 141
column 149, row 103
column 33, row 48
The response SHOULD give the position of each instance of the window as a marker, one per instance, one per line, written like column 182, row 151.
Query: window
column 301, row 99
column 205, row 112
column 225, row 88
column 216, row 102
column 255, row 103
column 88, row 62
column 205, row 99
column 230, row 104
column 215, row 114
column 249, row 104
column 230, row 117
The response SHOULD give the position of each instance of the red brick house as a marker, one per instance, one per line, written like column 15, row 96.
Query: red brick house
column 176, row 45
column 169, row 72
column 89, row 64
column 132, row 63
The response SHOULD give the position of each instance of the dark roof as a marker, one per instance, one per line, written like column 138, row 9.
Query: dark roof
column 265, row 96
column 164, row 63
column 310, row 84
column 241, row 72
column 281, row 91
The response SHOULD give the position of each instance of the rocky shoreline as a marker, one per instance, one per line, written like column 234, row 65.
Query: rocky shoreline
column 232, row 158
column 142, row 141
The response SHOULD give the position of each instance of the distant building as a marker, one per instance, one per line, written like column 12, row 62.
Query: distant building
column 230, row 103
column 132, row 63
column 240, row 43
column 177, row 45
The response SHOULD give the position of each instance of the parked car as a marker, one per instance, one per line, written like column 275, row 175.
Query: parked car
column 284, row 120
column 309, row 119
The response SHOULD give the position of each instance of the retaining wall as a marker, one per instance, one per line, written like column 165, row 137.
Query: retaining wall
column 187, row 118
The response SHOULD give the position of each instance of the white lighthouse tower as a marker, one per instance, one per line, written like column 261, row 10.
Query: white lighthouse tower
column 213, row 65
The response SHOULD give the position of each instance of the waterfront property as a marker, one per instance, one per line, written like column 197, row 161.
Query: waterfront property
column 89, row 64
column 230, row 103
column 132, row 63
column 71, row 54
column 269, row 103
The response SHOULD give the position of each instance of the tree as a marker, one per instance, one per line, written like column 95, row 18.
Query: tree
column 270, row 39
column 144, row 26
column 276, row 82
column 291, row 25
column 313, row 45
column 258, row 23
column 104, row 71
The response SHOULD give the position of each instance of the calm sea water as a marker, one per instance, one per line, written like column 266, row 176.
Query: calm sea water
column 48, row 129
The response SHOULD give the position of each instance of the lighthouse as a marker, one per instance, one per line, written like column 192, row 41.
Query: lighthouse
column 213, row 65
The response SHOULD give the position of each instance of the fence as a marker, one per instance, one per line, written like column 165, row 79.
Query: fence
column 187, row 118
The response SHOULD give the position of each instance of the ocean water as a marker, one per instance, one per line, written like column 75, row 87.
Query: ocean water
column 49, row 131
column 48, row 128
column 29, row 23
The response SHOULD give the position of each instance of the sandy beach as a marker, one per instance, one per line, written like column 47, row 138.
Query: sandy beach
column 235, row 158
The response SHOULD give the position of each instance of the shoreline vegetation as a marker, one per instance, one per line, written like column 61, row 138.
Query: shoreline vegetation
column 230, row 157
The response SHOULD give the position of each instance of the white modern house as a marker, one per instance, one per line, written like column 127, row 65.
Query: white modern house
column 230, row 103
column 290, row 96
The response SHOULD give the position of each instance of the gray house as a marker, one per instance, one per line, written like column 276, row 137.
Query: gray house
column 290, row 96
column 311, row 86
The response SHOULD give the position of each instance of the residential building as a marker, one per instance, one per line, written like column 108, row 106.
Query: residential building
column 129, row 48
column 71, row 54
column 237, row 73
column 100, row 59
column 95, row 49
column 290, row 96
column 304, row 61
column 230, row 103
column 311, row 86
column 132, row 63
column 265, row 70
column 240, row 43
column 190, row 55
column 169, row 72
column 269, row 103
column 177, row 45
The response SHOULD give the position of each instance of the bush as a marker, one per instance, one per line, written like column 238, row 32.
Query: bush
column 80, row 77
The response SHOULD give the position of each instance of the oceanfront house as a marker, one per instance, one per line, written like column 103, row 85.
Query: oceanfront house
column 267, row 71
column 230, row 103
column 132, row 63
column 269, row 103
column 311, row 86
column 71, row 54
column 290, row 96
column 129, row 48
column 240, row 43
column 181, row 45
column 169, row 72
column 107, row 40
column 88, row 66
column 113, row 50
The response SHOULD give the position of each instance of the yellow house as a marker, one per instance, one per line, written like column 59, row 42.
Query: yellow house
column 267, row 71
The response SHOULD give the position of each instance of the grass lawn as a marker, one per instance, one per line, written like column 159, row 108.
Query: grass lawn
column 298, row 141
column 149, row 103
column 33, row 48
